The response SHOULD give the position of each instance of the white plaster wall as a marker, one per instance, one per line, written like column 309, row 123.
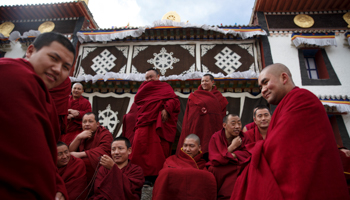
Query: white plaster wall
column 284, row 52
column 16, row 51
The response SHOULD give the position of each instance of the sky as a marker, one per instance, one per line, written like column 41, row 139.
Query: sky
column 119, row 13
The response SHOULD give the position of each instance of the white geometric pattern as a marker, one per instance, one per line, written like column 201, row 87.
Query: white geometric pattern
column 247, row 47
column 137, row 50
column 252, row 67
column 134, row 70
column 190, row 48
column 87, row 50
column 227, row 60
column 124, row 50
column 103, row 62
column 206, row 48
column 206, row 70
column 192, row 69
column 81, row 72
column 108, row 118
column 163, row 60
column 122, row 70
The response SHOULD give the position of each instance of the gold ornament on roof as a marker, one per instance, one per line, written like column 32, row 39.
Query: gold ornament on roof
column 172, row 15
column 46, row 27
column 346, row 17
column 6, row 28
column 304, row 21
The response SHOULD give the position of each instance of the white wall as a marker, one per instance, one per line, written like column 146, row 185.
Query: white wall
column 16, row 51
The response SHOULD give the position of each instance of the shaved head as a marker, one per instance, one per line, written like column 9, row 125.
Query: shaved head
column 195, row 137
column 81, row 85
column 277, row 69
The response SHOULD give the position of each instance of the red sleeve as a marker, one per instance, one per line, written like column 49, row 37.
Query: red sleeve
column 103, row 147
column 86, row 107
column 60, row 186
column 172, row 106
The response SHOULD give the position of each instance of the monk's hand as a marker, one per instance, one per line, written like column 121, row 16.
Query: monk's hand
column 165, row 115
column 70, row 116
column 236, row 142
column 75, row 113
column 85, row 134
column 59, row 196
column 107, row 162
column 346, row 151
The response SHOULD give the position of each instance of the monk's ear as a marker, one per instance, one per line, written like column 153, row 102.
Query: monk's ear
column 98, row 123
column 200, row 148
column 284, row 77
column 129, row 150
column 224, row 125
column 30, row 51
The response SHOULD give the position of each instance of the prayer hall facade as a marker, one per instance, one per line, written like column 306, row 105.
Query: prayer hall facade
column 111, row 62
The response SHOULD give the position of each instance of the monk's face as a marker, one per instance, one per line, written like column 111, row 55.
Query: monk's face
column 191, row 147
column 151, row 75
column 89, row 123
column 233, row 126
column 120, row 153
column 77, row 90
column 63, row 156
column 206, row 83
column 272, row 87
column 262, row 118
column 51, row 63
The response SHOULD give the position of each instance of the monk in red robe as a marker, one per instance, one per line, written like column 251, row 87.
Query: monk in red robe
column 184, row 173
column 262, row 118
column 299, row 158
column 73, row 172
column 117, row 178
column 345, row 158
column 226, row 153
column 129, row 121
column 78, row 106
column 155, row 130
column 91, row 144
column 29, row 122
column 204, row 106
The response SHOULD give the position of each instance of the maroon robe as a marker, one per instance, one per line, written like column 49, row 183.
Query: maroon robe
column 74, row 126
column 129, row 121
column 119, row 184
column 153, row 138
column 253, row 135
column 251, row 125
column 203, row 116
column 346, row 166
column 298, row 159
column 223, row 165
column 184, row 177
column 98, row 145
column 74, row 177
column 60, row 95
column 28, row 135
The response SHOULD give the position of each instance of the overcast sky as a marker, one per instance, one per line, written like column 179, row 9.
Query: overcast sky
column 108, row 13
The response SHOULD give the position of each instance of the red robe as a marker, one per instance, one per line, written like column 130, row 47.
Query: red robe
column 298, row 159
column 346, row 167
column 153, row 138
column 129, row 121
column 181, row 178
column 223, row 165
column 119, row 184
column 251, row 125
column 203, row 116
column 74, row 177
column 74, row 126
column 60, row 95
column 98, row 145
column 28, row 135
column 253, row 135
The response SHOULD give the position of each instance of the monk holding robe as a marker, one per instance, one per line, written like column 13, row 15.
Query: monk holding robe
column 204, row 106
column 73, row 172
column 29, row 122
column 91, row 144
column 262, row 118
column 299, row 158
column 155, row 130
column 226, row 153
column 118, row 178
column 184, row 173
column 78, row 106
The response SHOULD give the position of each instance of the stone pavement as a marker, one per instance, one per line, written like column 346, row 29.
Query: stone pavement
column 146, row 192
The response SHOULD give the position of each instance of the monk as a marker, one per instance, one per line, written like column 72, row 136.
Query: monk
column 204, row 106
column 129, row 121
column 118, row 178
column 78, row 107
column 155, row 129
column 29, row 122
column 73, row 172
column 91, row 144
column 251, row 125
column 184, row 173
column 226, row 154
column 345, row 158
column 299, row 158
column 262, row 118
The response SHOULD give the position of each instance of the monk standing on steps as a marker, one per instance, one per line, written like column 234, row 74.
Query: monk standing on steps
column 299, row 158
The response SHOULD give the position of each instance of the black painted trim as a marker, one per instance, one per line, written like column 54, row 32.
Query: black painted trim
column 333, row 78
column 264, row 39
column 343, row 132
column 78, row 26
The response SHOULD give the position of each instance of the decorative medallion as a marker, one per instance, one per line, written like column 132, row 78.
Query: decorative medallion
column 6, row 28
column 103, row 62
column 304, row 21
column 346, row 17
column 227, row 60
column 172, row 15
column 46, row 27
column 163, row 60
column 108, row 118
